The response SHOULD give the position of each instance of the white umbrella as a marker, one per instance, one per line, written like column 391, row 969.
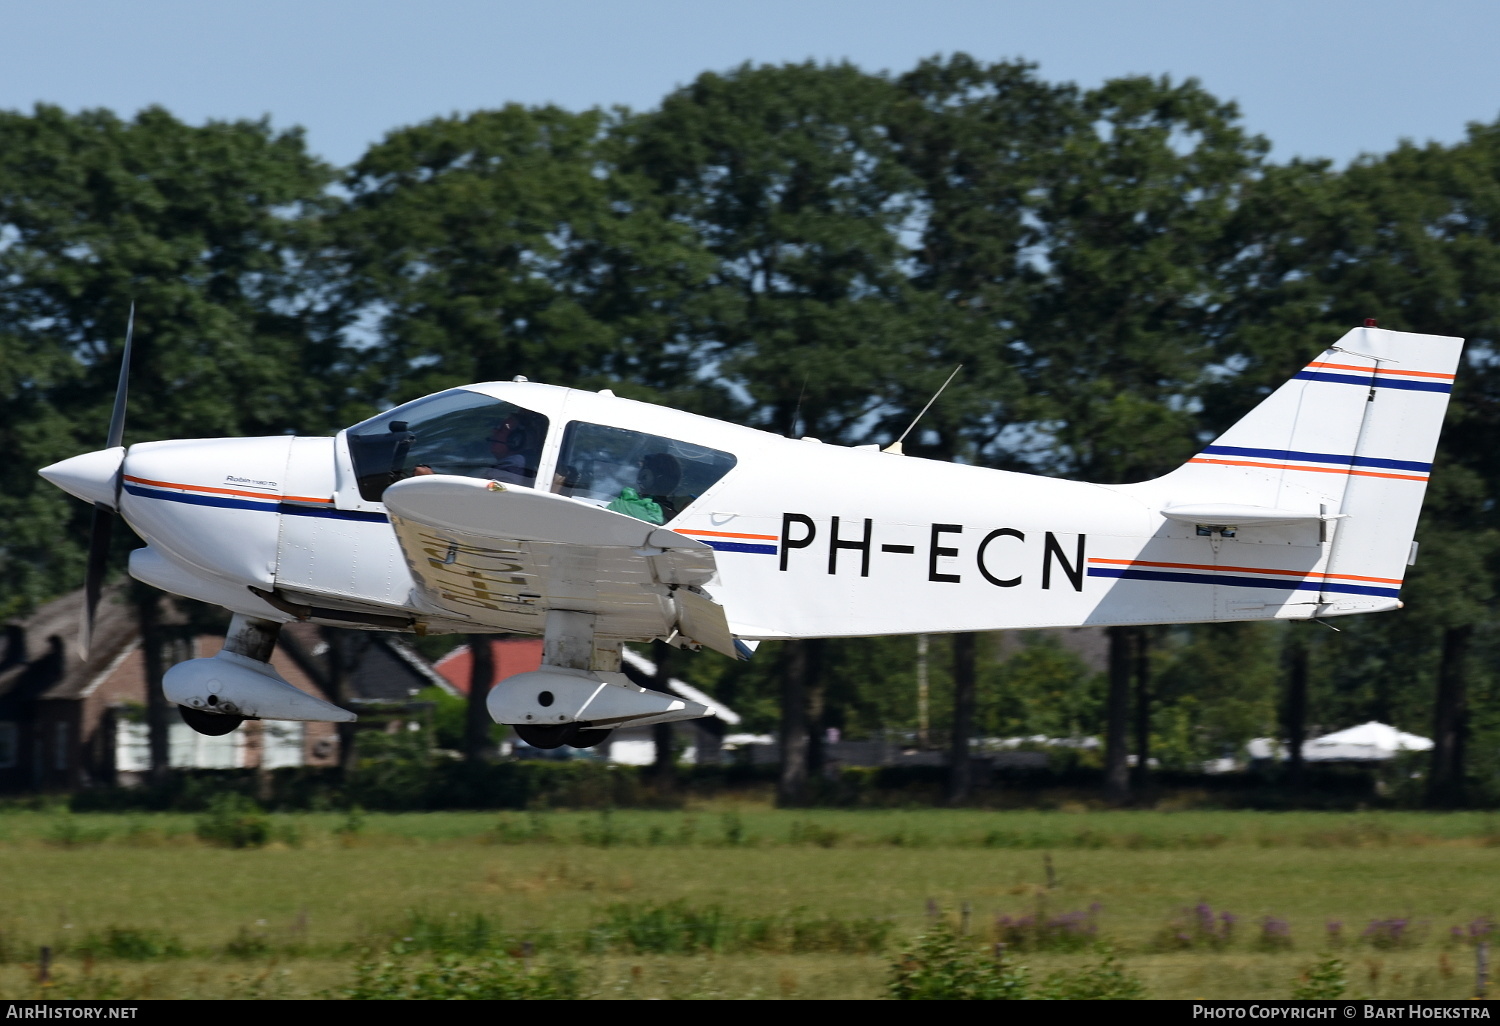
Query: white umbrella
column 1365, row 743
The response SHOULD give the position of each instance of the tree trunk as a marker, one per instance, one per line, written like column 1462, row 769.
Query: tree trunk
column 481, row 679
column 664, row 769
column 1446, row 781
column 344, row 649
column 1117, row 715
column 817, row 695
column 1142, row 662
column 960, row 776
column 792, row 787
column 1296, row 701
column 154, row 640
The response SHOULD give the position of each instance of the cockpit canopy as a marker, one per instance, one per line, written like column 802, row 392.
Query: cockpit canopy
column 470, row 434
column 646, row 476
column 456, row 432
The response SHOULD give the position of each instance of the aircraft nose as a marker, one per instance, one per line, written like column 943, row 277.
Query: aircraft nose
column 90, row 476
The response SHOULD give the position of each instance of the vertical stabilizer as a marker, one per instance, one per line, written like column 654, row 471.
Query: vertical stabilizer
column 1348, row 442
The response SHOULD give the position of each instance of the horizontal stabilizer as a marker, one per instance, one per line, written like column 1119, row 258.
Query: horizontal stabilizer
column 1230, row 514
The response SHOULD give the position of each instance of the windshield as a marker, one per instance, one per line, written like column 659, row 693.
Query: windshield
column 457, row 432
column 646, row 476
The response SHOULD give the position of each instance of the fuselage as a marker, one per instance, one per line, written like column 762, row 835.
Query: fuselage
column 810, row 539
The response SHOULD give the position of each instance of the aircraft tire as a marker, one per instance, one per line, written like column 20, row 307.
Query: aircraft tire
column 212, row 724
column 584, row 737
column 545, row 736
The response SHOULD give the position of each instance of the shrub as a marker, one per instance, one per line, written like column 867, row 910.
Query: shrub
column 670, row 929
column 1197, row 927
column 1275, row 935
column 1478, row 931
column 234, row 821
column 1323, row 980
column 1069, row 931
column 473, row 935
column 352, row 826
column 1388, row 934
column 248, row 944
column 939, row 968
column 67, row 832
column 811, row 833
column 734, row 829
column 677, row 928
column 1107, row 981
column 448, row 979
column 133, row 945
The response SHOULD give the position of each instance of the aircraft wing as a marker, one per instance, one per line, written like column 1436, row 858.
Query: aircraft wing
column 502, row 556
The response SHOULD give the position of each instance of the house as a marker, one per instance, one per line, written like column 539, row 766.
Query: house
column 67, row 722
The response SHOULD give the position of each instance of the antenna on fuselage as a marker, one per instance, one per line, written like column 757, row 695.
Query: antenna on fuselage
column 791, row 429
column 895, row 446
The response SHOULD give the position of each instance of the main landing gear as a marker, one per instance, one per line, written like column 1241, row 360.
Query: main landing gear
column 547, row 736
column 212, row 724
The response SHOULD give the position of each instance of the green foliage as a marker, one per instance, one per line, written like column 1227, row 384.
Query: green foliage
column 353, row 824
column 449, row 979
column 132, row 944
column 1043, row 689
column 68, row 832
column 1324, row 980
column 247, row 943
column 679, row 928
column 1107, row 981
column 940, row 966
column 234, row 821
column 474, row 934
column 1219, row 684
column 209, row 230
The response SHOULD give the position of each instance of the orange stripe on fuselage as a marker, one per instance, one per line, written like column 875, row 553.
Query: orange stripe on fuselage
column 731, row 534
column 1315, row 470
column 1244, row 569
column 227, row 491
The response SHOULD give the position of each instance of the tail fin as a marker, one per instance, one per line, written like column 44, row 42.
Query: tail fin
column 1348, row 441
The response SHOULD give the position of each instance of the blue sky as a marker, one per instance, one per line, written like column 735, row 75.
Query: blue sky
column 1327, row 78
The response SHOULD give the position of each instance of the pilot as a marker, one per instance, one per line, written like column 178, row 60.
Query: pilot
column 509, row 441
column 650, row 500
column 658, row 479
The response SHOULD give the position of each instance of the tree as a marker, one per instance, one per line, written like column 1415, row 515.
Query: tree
column 509, row 242
column 209, row 230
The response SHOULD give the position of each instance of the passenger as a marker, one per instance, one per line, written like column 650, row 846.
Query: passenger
column 651, row 499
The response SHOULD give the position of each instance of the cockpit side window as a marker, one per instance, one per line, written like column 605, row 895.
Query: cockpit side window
column 647, row 476
column 457, row 432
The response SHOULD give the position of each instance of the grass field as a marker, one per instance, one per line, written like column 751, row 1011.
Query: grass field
column 745, row 901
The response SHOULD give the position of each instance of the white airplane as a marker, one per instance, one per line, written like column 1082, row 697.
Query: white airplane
column 594, row 520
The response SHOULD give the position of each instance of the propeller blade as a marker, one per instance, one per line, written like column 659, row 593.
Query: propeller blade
column 93, row 584
column 104, row 517
column 117, row 416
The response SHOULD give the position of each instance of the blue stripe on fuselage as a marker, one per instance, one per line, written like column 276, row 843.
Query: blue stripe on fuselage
column 1242, row 582
column 269, row 506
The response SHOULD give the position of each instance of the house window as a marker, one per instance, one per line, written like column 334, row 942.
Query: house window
column 282, row 742
column 8, row 745
column 62, row 745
